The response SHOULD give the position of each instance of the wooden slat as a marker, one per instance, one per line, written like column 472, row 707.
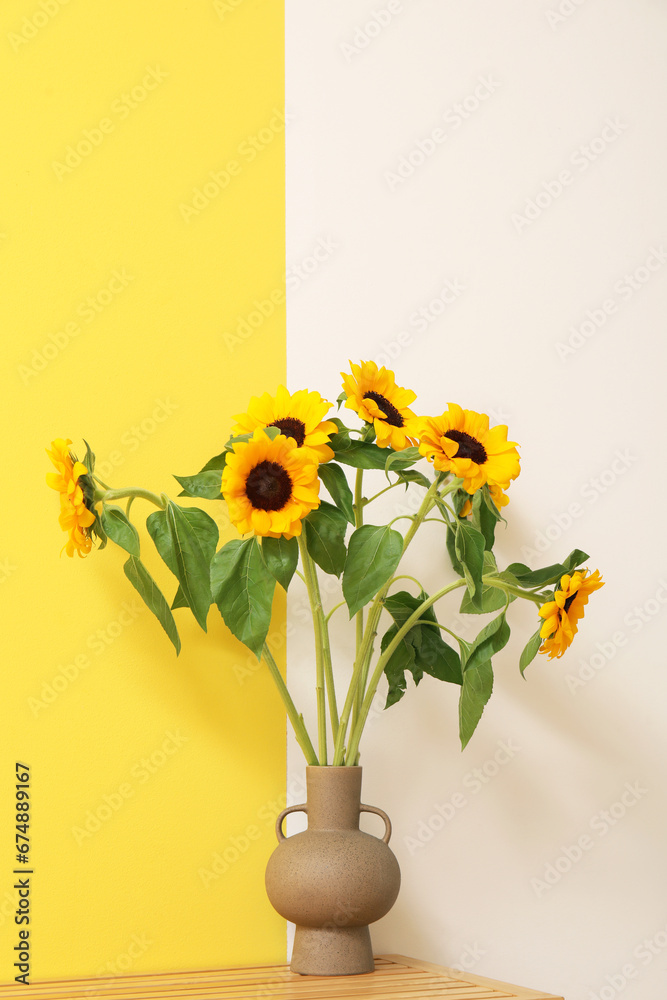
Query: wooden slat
column 395, row 978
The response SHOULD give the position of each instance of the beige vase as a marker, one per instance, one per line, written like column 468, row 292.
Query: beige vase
column 332, row 880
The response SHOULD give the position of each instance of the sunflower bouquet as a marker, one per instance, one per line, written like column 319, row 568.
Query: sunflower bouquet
column 270, row 474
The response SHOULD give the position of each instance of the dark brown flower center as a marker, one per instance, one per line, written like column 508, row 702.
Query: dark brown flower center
column 391, row 414
column 268, row 486
column 291, row 428
column 469, row 447
column 568, row 602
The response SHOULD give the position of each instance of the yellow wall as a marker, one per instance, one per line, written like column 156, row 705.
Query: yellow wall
column 117, row 113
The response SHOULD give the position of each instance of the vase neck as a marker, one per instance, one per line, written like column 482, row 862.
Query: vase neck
column 334, row 795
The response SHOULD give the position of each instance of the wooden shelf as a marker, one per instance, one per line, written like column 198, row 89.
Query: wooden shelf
column 395, row 978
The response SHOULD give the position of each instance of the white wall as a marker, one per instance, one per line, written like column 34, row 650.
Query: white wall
column 581, row 92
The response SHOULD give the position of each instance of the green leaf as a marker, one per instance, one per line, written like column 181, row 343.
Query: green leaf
column 549, row 574
column 373, row 555
column 243, row 590
column 195, row 536
column 488, row 500
column 186, row 538
column 530, row 650
column 153, row 597
column 281, row 556
column 119, row 529
column 217, row 463
column 404, row 458
column 179, row 600
column 325, row 530
column 400, row 661
column 469, row 548
column 475, row 692
column 430, row 653
column 89, row 458
column 451, row 549
column 204, row 484
column 237, row 439
column 272, row 432
column 343, row 431
column 489, row 641
column 364, row 454
column 490, row 599
column 508, row 577
column 413, row 476
column 335, row 480
column 483, row 518
column 359, row 454
column 341, row 398
column 458, row 499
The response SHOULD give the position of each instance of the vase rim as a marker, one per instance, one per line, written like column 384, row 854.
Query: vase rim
column 333, row 767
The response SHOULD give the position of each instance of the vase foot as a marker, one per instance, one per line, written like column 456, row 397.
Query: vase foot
column 332, row 951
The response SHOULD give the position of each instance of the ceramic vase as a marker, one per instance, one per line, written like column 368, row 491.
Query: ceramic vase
column 332, row 880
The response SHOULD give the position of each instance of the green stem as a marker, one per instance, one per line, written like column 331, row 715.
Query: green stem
column 135, row 491
column 402, row 517
column 359, row 618
column 362, row 662
column 335, row 608
column 406, row 576
column 371, row 499
column 302, row 737
column 492, row 581
column 355, row 735
column 321, row 641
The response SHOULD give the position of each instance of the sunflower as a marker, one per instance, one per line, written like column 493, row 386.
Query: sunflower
column 297, row 416
column 460, row 441
column 270, row 485
column 379, row 401
column 76, row 496
column 562, row 614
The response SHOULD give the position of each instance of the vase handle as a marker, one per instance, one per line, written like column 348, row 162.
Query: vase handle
column 379, row 812
column 279, row 822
